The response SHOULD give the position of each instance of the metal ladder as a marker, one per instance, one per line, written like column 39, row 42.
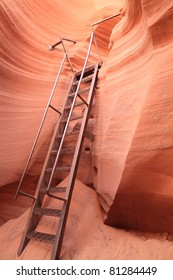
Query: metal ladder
column 80, row 96
column 48, row 186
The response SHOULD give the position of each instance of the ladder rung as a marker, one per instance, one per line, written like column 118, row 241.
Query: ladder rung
column 63, row 168
column 72, row 119
column 87, row 69
column 84, row 80
column 76, row 105
column 64, row 151
column 79, row 92
column 40, row 236
column 48, row 212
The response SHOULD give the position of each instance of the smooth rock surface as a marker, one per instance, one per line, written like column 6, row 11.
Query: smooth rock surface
column 133, row 149
column 132, row 153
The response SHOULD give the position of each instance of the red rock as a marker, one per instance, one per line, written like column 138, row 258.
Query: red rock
column 132, row 152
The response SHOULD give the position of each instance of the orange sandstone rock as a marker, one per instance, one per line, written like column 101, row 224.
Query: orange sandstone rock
column 134, row 132
column 132, row 153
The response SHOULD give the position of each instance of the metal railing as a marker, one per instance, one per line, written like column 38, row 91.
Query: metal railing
column 92, row 38
column 105, row 19
column 68, row 120
column 92, row 29
column 51, row 48
column 44, row 116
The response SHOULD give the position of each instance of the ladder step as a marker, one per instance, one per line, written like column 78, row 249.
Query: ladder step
column 79, row 92
column 84, row 80
column 72, row 119
column 40, row 236
column 76, row 105
column 64, row 151
column 48, row 212
column 87, row 69
column 63, row 168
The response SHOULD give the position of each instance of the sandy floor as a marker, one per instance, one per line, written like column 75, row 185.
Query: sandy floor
column 86, row 236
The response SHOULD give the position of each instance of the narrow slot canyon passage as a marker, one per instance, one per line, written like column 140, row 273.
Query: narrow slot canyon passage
column 121, row 206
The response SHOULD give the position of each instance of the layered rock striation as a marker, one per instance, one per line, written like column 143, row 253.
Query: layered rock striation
column 132, row 152
column 134, row 130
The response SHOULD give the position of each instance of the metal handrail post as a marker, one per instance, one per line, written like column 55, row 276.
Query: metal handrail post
column 70, row 113
column 92, row 28
column 96, row 45
column 67, row 55
column 40, row 127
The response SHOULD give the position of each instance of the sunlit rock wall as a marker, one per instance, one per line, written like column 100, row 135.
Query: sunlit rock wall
column 133, row 150
column 28, row 71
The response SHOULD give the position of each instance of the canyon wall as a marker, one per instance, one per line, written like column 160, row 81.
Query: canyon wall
column 134, row 135
column 132, row 152
column 28, row 71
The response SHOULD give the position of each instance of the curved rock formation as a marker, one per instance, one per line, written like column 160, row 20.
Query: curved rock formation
column 28, row 70
column 133, row 155
column 132, row 159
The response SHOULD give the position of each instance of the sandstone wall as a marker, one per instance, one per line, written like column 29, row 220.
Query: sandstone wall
column 132, row 153
column 133, row 150
column 28, row 71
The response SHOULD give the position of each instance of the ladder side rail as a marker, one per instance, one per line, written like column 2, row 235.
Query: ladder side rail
column 68, row 120
column 40, row 127
column 81, row 133
column 73, row 172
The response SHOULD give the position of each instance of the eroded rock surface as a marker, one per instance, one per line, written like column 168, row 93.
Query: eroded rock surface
column 132, row 152
column 134, row 135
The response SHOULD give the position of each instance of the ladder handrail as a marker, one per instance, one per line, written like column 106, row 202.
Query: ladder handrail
column 52, row 47
column 68, row 120
column 40, row 127
column 105, row 19
column 96, row 45
column 63, row 45
column 92, row 28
